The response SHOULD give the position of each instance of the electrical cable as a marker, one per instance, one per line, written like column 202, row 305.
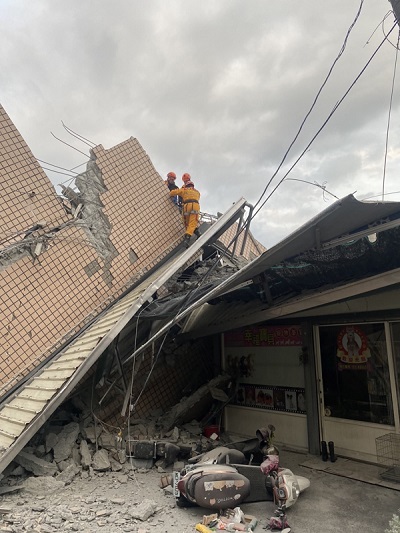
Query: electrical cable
column 389, row 116
column 341, row 51
column 323, row 187
column 256, row 211
column 380, row 194
column 66, row 181
column 381, row 24
column 336, row 106
column 383, row 31
column 77, row 166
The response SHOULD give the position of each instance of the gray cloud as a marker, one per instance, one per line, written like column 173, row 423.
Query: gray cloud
column 217, row 89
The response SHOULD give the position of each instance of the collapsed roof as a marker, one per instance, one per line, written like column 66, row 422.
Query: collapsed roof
column 349, row 249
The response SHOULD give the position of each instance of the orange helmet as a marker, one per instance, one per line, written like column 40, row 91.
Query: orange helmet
column 189, row 184
column 186, row 177
column 171, row 175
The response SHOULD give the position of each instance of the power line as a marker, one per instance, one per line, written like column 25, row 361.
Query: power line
column 341, row 51
column 324, row 124
column 389, row 115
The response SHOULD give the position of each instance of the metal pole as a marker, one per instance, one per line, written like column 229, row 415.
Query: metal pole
column 396, row 9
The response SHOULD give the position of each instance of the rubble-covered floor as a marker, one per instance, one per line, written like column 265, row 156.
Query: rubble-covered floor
column 119, row 501
column 76, row 475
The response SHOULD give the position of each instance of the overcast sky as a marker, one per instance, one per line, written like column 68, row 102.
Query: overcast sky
column 216, row 88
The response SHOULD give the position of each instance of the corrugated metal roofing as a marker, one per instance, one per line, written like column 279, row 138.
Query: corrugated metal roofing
column 324, row 261
column 343, row 218
column 227, row 315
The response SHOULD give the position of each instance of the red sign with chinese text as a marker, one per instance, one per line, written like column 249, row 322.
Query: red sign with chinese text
column 264, row 336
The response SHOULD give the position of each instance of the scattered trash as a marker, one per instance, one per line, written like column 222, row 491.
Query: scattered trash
column 203, row 529
column 251, row 522
column 228, row 520
column 208, row 519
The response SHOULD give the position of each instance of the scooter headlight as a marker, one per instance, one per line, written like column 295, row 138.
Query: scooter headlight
column 295, row 490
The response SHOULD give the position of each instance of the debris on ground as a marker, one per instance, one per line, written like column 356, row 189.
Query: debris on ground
column 76, row 475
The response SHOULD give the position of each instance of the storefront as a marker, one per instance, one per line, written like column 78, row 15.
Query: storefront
column 356, row 395
column 267, row 364
column 358, row 385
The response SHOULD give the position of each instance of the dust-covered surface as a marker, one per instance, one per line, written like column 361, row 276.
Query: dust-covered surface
column 132, row 500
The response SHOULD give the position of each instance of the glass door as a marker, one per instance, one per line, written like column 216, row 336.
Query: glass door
column 356, row 394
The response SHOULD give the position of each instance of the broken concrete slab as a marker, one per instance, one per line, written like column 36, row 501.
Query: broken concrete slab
column 116, row 466
column 39, row 467
column 143, row 464
column 120, row 456
column 66, row 441
column 196, row 404
column 107, row 441
column 144, row 510
column 76, row 456
column 101, row 461
column 86, row 457
column 42, row 485
column 7, row 490
column 67, row 475
column 92, row 433
column 17, row 471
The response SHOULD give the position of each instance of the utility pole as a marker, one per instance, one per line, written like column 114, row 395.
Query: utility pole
column 396, row 9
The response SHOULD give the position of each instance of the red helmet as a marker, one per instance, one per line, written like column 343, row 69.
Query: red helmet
column 189, row 184
column 186, row 177
column 171, row 175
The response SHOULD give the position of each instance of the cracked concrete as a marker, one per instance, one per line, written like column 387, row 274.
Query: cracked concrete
column 97, row 226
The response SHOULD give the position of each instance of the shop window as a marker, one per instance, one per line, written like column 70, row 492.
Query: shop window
column 267, row 365
column 355, row 373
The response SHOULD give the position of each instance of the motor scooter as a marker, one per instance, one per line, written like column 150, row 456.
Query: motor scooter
column 224, row 477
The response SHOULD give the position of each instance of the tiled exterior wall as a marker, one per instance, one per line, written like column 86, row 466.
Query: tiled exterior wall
column 192, row 367
column 252, row 248
column 27, row 196
column 143, row 216
column 45, row 299
column 42, row 300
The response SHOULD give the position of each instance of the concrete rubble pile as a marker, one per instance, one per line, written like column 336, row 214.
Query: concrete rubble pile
column 69, row 457
column 207, row 267
column 78, row 449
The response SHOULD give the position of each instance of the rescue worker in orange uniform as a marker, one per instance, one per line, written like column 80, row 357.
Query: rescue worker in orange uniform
column 170, row 183
column 190, row 207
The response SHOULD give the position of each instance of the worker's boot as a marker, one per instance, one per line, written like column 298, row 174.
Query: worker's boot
column 332, row 455
column 197, row 233
column 324, row 451
column 186, row 240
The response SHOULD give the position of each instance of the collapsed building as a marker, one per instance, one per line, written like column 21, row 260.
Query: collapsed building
column 79, row 272
column 109, row 323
